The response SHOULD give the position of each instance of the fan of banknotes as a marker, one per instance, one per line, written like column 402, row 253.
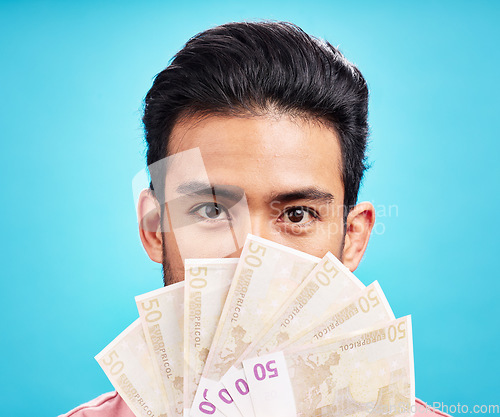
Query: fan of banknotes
column 276, row 332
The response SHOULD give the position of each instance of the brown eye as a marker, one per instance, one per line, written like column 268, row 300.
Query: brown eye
column 297, row 215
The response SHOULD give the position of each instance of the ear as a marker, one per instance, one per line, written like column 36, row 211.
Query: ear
column 149, row 217
column 360, row 221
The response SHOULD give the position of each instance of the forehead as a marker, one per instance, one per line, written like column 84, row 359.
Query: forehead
column 263, row 154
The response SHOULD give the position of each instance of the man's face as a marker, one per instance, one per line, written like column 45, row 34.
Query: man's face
column 290, row 171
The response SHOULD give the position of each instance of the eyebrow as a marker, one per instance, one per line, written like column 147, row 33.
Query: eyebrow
column 198, row 188
column 309, row 194
column 235, row 193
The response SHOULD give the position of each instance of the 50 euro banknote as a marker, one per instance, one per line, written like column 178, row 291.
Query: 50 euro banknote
column 266, row 275
column 162, row 317
column 328, row 287
column 363, row 310
column 128, row 365
column 207, row 283
column 366, row 373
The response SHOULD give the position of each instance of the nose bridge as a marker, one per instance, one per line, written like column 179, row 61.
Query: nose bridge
column 261, row 225
column 257, row 223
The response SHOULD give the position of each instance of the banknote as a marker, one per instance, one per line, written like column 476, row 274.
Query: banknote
column 207, row 282
column 162, row 316
column 128, row 365
column 362, row 311
column 328, row 285
column 266, row 275
column 366, row 373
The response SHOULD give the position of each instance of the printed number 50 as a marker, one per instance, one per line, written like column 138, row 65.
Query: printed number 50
column 260, row 372
column 114, row 367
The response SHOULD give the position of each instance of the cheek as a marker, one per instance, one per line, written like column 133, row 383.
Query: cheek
column 171, row 249
column 327, row 237
column 330, row 230
column 333, row 236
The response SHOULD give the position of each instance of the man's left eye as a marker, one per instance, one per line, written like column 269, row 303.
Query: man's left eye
column 298, row 215
column 211, row 211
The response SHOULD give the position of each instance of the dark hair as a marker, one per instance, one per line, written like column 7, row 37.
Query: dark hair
column 251, row 67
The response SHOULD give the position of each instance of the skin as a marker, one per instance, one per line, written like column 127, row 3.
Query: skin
column 290, row 171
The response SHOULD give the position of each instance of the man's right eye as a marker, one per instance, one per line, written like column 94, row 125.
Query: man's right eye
column 211, row 211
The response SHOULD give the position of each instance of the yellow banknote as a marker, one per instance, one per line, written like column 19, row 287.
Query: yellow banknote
column 329, row 286
column 207, row 282
column 162, row 316
column 266, row 275
column 129, row 367
column 362, row 311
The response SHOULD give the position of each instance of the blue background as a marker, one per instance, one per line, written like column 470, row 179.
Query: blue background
column 72, row 78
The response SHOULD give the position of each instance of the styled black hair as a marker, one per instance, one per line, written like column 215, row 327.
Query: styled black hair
column 255, row 67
